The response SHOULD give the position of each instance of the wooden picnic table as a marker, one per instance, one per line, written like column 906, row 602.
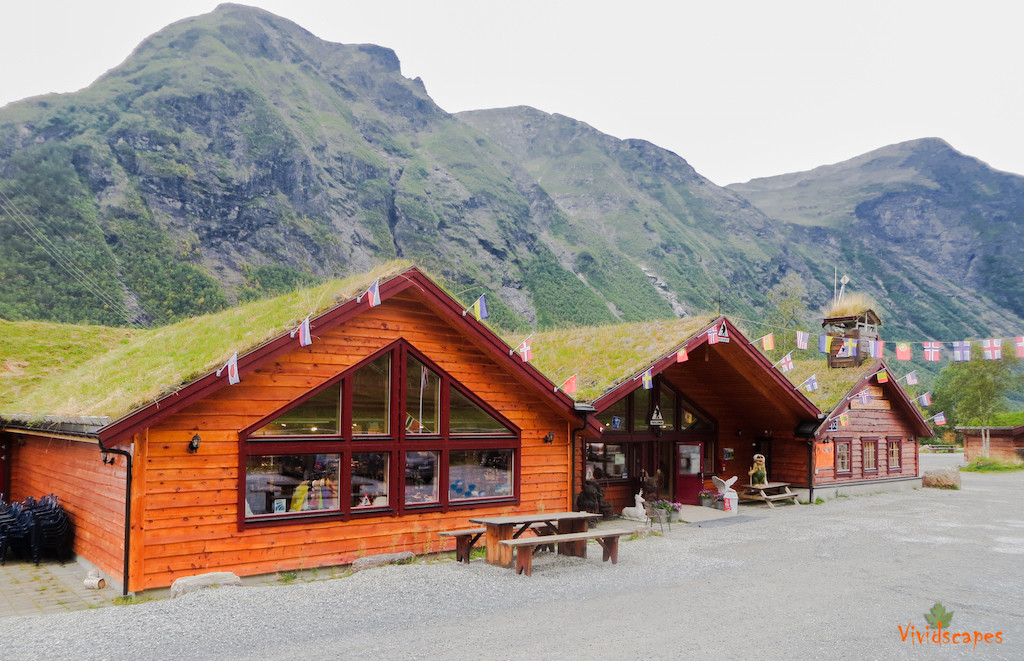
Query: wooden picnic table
column 511, row 527
column 768, row 492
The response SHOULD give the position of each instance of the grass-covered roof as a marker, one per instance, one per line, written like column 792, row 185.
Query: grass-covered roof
column 604, row 356
column 97, row 371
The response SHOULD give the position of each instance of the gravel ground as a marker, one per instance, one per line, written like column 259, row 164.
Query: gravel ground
column 833, row 581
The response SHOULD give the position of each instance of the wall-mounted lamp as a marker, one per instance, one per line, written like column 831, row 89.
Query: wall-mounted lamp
column 550, row 438
column 193, row 445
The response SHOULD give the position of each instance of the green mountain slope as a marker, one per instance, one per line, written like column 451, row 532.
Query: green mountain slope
column 933, row 235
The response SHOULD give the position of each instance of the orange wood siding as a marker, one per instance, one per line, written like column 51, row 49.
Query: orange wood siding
column 190, row 521
column 91, row 492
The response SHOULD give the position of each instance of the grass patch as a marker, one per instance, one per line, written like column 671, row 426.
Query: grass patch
column 287, row 577
column 989, row 465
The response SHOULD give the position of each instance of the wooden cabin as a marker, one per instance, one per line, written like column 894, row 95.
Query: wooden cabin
column 1004, row 443
column 869, row 438
column 860, row 328
column 399, row 420
column 710, row 403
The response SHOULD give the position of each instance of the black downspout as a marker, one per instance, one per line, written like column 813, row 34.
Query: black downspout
column 127, row 505
column 810, row 472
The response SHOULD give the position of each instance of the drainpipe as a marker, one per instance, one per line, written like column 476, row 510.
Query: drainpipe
column 810, row 472
column 584, row 410
column 127, row 504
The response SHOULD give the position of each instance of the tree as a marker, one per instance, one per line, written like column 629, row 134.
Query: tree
column 974, row 392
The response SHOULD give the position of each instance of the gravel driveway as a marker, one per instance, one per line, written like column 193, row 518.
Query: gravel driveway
column 830, row 581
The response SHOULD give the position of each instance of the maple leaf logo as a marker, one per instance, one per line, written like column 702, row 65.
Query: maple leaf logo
column 938, row 617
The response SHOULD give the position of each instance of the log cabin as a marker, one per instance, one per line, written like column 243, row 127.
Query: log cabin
column 998, row 442
column 868, row 440
column 402, row 416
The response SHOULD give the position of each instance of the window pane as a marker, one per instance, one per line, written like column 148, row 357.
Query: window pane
column 606, row 461
column 371, row 397
column 870, row 454
column 317, row 415
column 278, row 484
column 369, row 479
column 479, row 474
column 421, row 477
column 894, row 454
column 465, row 417
column 641, row 409
column 668, row 409
column 613, row 418
column 422, row 398
column 842, row 457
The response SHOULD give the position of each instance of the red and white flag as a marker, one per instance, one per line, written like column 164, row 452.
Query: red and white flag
column 1018, row 343
column 525, row 352
column 569, row 387
column 305, row 337
column 786, row 364
column 232, row 369
column 992, row 349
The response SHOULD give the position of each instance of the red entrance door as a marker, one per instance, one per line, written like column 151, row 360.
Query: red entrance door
column 689, row 471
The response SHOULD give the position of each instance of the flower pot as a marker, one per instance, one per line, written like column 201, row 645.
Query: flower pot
column 706, row 502
column 673, row 516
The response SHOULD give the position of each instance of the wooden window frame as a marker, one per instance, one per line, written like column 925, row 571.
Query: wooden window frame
column 396, row 445
column 848, row 442
column 891, row 442
column 864, row 443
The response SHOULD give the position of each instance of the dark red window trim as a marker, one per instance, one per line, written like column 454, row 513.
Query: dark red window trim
column 889, row 441
column 864, row 442
column 396, row 444
column 849, row 455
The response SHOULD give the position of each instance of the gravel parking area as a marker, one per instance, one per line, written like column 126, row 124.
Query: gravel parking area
column 836, row 581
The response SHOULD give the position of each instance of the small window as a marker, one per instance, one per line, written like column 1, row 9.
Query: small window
column 474, row 474
column 641, row 409
column 371, row 398
column 369, row 479
column 317, row 415
column 283, row 484
column 842, row 456
column 870, row 449
column 606, row 461
column 895, row 455
column 421, row 478
column 667, row 404
column 613, row 418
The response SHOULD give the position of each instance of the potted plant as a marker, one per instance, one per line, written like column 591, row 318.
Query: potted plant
column 706, row 497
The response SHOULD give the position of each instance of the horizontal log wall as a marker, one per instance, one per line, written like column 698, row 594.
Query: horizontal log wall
column 880, row 425
column 189, row 522
column 91, row 492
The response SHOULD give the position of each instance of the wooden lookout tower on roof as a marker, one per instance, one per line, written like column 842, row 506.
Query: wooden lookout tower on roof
column 850, row 332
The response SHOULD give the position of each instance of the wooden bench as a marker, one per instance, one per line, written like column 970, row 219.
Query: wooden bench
column 466, row 538
column 942, row 448
column 526, row 546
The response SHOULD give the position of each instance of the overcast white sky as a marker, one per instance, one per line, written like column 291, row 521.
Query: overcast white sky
column 739, row 89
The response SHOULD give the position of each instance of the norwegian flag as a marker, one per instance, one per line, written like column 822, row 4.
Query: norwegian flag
column 864, row 396
column 992, row 349
column 876, row 348
column 912, row 378
column 525, row 352
column 961, row 351
column 682, row 356
column 718, row 334
column 232, row 369
column 902, row 351
column 802, row 338
column 305, row 337
column 932, row 351
column 1018, row 343
column 925, row 399
column 786, row 364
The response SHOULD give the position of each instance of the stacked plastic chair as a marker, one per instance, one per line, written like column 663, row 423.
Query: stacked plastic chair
column 32, row 528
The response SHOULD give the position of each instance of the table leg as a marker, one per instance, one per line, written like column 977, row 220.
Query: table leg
column 499, row 554
column 578, row 549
